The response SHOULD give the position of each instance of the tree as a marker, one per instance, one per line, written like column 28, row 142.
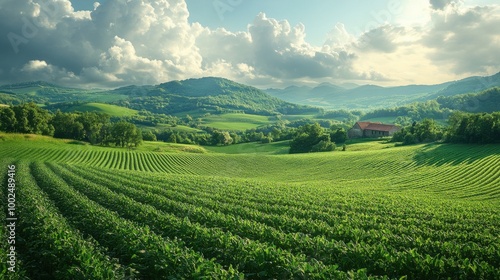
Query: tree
column 8, row 120
column 92, row 124
column 148, row 136
column 32, row 119
column 427, row 131
column 66, row 126
column 339, row 136
column 125, row 134
column 311, row 138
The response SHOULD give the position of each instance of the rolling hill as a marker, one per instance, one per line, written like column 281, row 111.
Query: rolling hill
column 42, row 92
column 416, row 212
column 204, row 95
column 330, row 96
column 111, row 110
column 207, row 95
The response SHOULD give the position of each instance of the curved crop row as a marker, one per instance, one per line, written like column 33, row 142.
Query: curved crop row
column 52, row 248
column 136, row 246
column 253, row 258
column 396, row 238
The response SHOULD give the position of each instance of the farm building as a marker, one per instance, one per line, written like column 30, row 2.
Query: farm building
column 372, row 130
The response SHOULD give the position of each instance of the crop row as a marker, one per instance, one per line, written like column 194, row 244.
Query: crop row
column 342, row 250
column 349, row 233
column 329, row 205
column 251, row 257
column 137, row 247
column 50, row 247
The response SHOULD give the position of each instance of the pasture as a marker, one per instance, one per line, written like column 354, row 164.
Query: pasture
column 236, row 121
column 112, row 110
column 421, row 212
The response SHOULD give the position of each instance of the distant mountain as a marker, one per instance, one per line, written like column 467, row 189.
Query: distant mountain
column 34, row 84
column 360, row 97
column 192, row 96
column 351, row 96
column 470, row 85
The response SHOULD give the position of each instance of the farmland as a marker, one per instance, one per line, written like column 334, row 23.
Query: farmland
column 235, row 121
column 109, row 109
column 423, row 211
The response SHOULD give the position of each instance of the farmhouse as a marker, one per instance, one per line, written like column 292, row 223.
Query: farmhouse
column 372, row 130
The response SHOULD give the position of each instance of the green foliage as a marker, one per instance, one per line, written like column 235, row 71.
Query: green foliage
column 425, row 131
column 311, row 138
column 26, row 118
column 487, row 101
column 8, row 122
column 215, row 95
column 414, row 112
column 125, row 134
column 339, row 136
column 222, row 138
column 474, row 128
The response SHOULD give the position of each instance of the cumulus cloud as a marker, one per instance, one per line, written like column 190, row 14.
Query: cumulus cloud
column 440, row 4
column 123, row 42
column 466, row 39
column 380, row 39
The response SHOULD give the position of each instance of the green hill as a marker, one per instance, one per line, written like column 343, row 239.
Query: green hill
column 42, row 92
column 112, row 110
column 213, row 95
column 235, row 121
column 487, row 101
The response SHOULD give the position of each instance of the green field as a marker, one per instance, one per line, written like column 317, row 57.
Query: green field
column 177, row 128
column 236, row 121
column 275, row 148
column 421, row 212
column 112, row 110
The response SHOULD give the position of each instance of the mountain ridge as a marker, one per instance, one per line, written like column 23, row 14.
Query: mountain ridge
column 374, row 97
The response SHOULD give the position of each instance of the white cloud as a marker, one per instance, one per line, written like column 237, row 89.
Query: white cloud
column 124, row 42
column 465, row 39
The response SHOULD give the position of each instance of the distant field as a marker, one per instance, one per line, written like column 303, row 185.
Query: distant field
column 297, row 117
column 391, row 120
column 252, row 148
column 236, row 121
column 154, row 146
column 109, row 109
column 179, row 128
column 420, row 212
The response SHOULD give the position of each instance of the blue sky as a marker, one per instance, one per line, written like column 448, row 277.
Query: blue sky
column 261, row 43
column 318, row 16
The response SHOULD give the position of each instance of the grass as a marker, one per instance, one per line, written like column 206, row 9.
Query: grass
column 236, row 121
column 178, row 128
column 112, row 110
column 163, row 147
column 275, row 148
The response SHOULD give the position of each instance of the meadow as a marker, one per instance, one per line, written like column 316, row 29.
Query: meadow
column 250, row 211
column 233, row 121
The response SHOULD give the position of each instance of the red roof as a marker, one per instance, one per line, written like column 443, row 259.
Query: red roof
column 376, row 126
column 363, row 125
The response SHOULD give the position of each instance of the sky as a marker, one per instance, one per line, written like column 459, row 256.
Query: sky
column 276, row 43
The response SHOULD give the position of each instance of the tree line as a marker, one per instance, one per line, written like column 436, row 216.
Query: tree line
column 469, row 128
column 95, row 128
